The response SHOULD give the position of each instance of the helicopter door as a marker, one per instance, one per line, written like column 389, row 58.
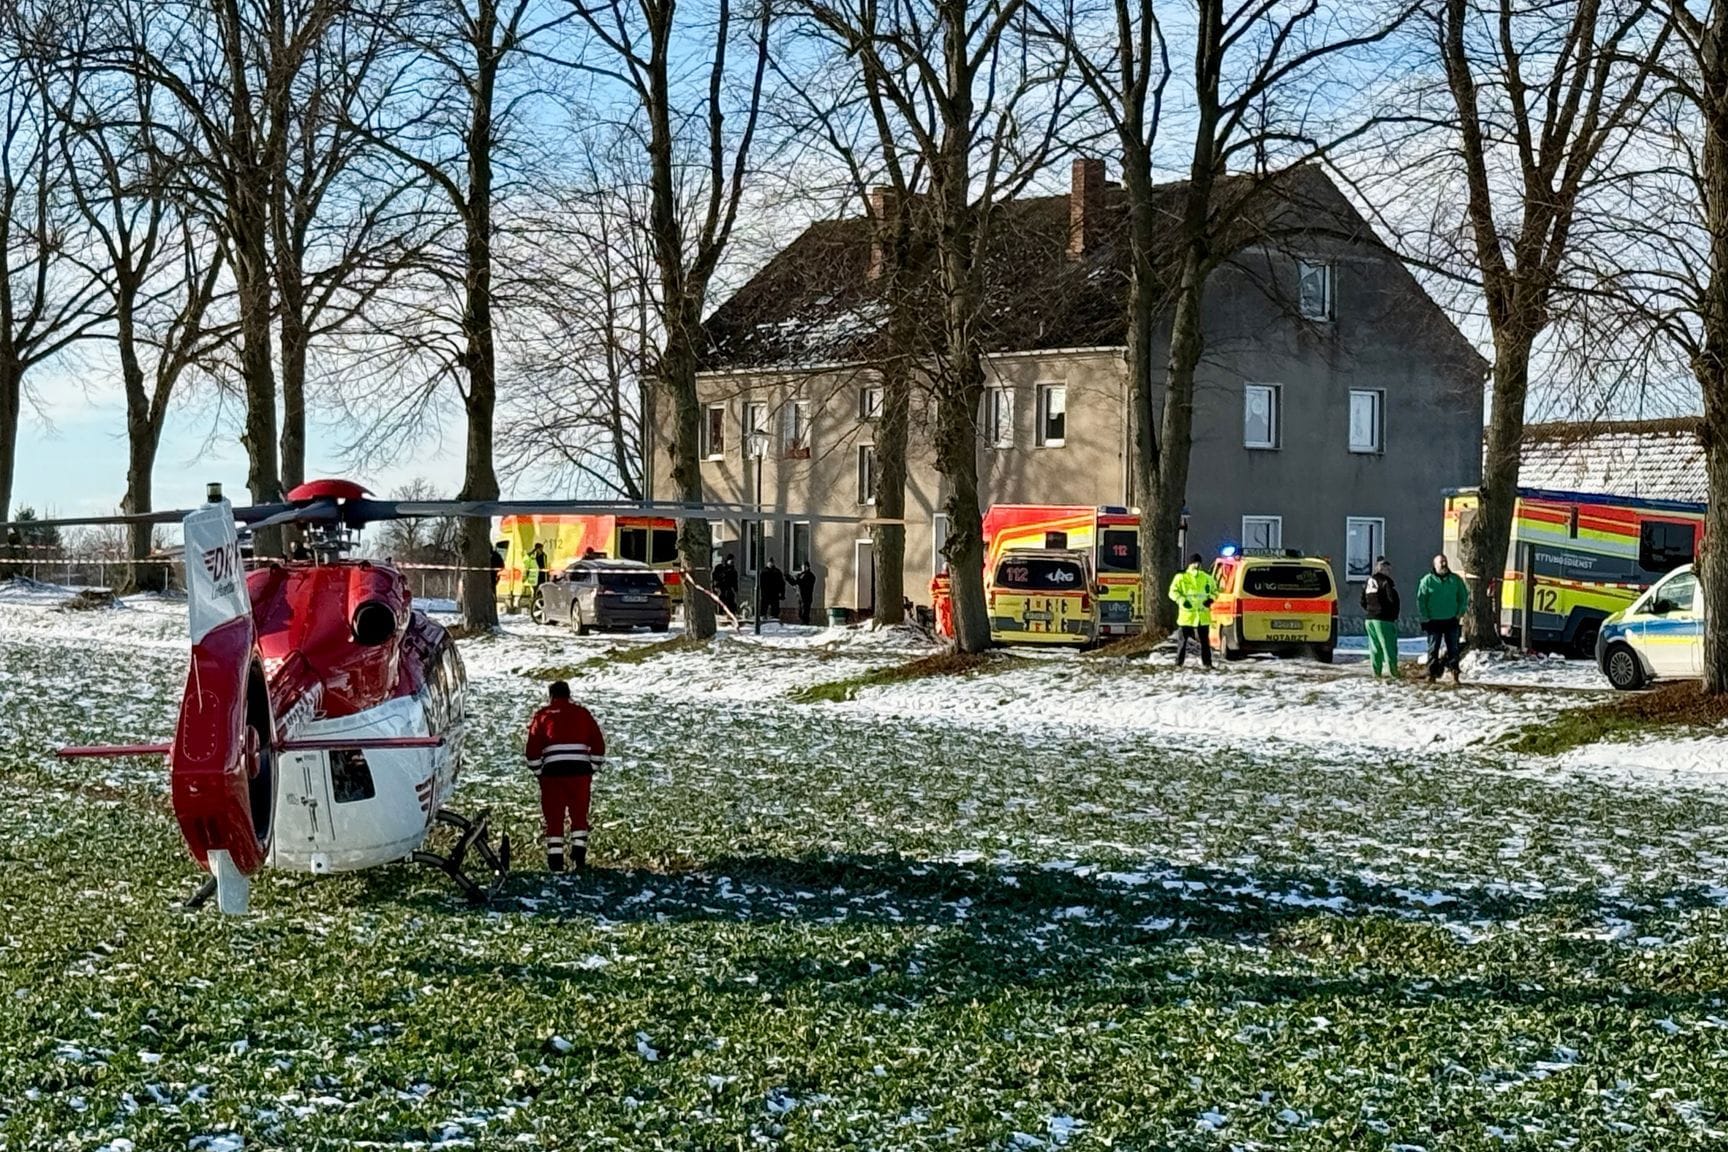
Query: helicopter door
column 304, row 823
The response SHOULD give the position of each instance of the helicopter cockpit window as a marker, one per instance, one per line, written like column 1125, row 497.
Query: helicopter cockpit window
column 350, row 777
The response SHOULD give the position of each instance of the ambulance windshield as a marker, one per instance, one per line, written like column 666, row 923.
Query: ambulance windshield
column 1119, row 550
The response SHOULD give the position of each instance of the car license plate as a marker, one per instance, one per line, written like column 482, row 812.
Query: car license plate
column 635, row 599
column 1286, row 625
column 1031, row 616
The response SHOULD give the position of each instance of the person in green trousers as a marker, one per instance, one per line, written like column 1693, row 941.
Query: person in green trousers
column 1380, row 605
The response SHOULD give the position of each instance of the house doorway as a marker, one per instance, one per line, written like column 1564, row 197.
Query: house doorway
column 864, row 572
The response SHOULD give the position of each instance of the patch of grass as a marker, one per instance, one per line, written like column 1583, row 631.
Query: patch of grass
column 1671, row 708
column 628, row 654
column 1129, row 647
column 923, row 668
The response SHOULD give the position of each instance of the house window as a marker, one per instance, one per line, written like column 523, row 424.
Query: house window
column 1367, row 421
column 714, row 433
column 1314, row 285
column 796, row 429
column 866, row 473
column 938, row 541
column 752, row 546
column 1364, row 540
column 1052, row 415
column 796, row 545
column 1260, row 416
column 1263, row 533
column 755, row 430
column 1664, row 545
column 869, row 402
column 998, row 422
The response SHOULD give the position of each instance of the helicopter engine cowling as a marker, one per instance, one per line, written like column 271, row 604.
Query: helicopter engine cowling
column 375, row 599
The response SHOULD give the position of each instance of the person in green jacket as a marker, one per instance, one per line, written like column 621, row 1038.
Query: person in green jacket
column 1193, row 589
column 1441, row 601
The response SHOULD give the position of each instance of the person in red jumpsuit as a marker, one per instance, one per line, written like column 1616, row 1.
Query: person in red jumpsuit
column 565, row 745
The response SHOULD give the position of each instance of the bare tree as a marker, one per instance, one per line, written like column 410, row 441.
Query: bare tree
column 583, row 327
column 48, row 299
column 981, row 102
column 1540, row 100
column 158, row 266
column 644, row 46
column 452, row 127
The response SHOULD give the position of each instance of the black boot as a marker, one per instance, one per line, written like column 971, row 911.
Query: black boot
column 554, row 861
column 579, row 858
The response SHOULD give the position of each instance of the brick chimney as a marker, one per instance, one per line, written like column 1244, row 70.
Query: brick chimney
column 882, row 206
column 1085, row 208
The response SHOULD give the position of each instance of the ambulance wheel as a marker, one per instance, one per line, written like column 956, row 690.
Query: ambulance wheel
column 1323, row 653
column 1625, row 671
column 576, row 620
column 1231, row 644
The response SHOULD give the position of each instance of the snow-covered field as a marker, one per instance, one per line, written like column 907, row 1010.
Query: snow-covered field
column 1061, row 901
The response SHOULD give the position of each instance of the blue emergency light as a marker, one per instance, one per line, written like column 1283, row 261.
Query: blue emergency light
column 1227, row 551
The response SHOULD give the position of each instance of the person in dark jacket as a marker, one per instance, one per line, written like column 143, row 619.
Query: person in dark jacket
column 565, row 745
column 726, row 583
column 806, row 584
column 1380, row 604
column 773, row 590
column 1442, row 598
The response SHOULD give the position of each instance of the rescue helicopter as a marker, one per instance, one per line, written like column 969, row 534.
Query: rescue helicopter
column 320, row 729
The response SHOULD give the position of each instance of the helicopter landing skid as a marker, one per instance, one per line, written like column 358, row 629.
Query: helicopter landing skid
column 470, row 837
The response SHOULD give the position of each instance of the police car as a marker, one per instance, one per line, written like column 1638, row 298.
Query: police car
column 1660, row 637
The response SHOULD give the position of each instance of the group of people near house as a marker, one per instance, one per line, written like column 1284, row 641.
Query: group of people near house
column 771, row 584
column 1442, row 599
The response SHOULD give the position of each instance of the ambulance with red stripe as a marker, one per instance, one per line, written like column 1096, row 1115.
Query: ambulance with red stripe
column 1107, row 536
column 1589, row 556
column 1277, row 601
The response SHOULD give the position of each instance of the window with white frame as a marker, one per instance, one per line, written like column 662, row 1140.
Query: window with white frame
column 1052, row 415
column 869, row 401
column 1260, row 416
column 938, row 541
column 1367, row 420
column 866, row 473
column 752, row 546
column 1364, row 541
column 998, row 417
column 795, row 429
column 796, row 545
column 756, row 429
column 1263, row 532
column 1314, row 282
column 714, row 432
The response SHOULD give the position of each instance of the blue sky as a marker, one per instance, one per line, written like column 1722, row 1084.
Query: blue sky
column 72, row 451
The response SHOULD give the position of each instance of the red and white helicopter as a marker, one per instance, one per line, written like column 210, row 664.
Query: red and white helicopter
column 321, row 725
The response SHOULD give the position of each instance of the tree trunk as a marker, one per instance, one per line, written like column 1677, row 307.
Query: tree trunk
column 257, row 368
column 11, row 404
column 1484, row 545
column 893, row 422
column 1710, row 364
column 1164, row 543
column 695, row 537
column 142, row 437
column 957, row 460
column 1144, row 456
column 293, row 349
column 480, row 476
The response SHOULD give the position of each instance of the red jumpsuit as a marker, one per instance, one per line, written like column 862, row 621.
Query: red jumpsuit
column 565, row 745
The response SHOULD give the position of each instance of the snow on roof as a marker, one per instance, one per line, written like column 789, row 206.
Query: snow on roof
column 1645, row 459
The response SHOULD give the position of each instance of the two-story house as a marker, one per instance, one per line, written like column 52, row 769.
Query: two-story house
column 1334, row 404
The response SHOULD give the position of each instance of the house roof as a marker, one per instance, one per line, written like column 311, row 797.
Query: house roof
column 1642, row 459
column 815, row 302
